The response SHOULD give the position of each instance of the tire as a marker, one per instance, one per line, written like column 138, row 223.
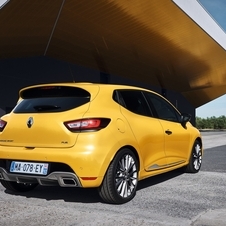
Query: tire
column 195, row 161
column 121, row 179
column 19, row 187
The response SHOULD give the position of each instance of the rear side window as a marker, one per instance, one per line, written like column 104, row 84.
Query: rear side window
column 51, row 99
column 134, row 101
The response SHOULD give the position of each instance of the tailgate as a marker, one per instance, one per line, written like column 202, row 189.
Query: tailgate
column 39, row 130
column 38, row 119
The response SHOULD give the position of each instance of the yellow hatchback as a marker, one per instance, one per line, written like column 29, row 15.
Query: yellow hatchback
column 94, row 135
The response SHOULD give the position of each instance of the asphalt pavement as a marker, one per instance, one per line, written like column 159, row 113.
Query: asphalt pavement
column 214, row 162
column 172, row 199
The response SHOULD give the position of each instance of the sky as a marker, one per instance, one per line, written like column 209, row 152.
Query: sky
column 217, row 107
column 2, row 2
column 217, row 9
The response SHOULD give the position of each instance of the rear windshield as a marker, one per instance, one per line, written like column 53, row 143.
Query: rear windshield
column 51, row 99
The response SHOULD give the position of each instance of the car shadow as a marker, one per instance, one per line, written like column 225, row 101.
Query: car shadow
column 87, row 195
column 151, row 181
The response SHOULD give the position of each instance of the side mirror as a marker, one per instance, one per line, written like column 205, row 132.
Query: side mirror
column 185, row 118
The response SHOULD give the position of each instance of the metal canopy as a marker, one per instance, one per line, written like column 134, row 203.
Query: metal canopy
column 151, row 41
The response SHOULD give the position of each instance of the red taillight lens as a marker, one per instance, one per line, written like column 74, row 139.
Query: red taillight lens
column 88, row 124
column 2, row 125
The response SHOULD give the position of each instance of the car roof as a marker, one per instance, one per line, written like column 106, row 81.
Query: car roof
column 87, row 86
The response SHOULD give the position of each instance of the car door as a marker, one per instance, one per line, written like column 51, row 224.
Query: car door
column 176, row 136
column 147, row 130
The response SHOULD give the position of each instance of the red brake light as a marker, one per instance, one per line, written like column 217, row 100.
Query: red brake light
column 2, row 125
column 88, row 124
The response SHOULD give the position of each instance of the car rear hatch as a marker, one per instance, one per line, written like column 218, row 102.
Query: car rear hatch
column 38, row 119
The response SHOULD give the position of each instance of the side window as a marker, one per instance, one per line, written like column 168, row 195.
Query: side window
column 163, row 109
column 134, row 101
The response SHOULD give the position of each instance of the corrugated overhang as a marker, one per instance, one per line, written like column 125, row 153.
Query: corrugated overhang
column 151, row 41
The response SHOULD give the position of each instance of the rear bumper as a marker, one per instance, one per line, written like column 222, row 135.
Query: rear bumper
column 63, row 179
column 88, row 159
column 82, row 162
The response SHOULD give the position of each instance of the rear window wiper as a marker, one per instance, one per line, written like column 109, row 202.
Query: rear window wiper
column 46, row 107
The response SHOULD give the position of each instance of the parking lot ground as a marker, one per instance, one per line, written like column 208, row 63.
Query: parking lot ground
column 170, row 199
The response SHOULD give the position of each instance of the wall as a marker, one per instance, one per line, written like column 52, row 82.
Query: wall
column 18, row 73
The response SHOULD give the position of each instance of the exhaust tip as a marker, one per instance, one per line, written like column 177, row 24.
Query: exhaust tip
column 69, row 182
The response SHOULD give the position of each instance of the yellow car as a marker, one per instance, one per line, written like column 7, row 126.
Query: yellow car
column 94, row 135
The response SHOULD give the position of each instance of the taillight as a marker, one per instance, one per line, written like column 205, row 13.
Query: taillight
column 87, row 124
column 2, row 125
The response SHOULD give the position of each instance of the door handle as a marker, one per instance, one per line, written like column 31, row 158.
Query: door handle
column 168, row 132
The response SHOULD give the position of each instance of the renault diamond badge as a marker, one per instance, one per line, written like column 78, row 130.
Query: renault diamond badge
column 30, row 122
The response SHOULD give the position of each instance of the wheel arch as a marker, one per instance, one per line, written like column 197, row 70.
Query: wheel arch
column 134, row 152
column 200, row 141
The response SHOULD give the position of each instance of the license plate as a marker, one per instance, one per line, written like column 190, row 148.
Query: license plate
column 29, row 167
